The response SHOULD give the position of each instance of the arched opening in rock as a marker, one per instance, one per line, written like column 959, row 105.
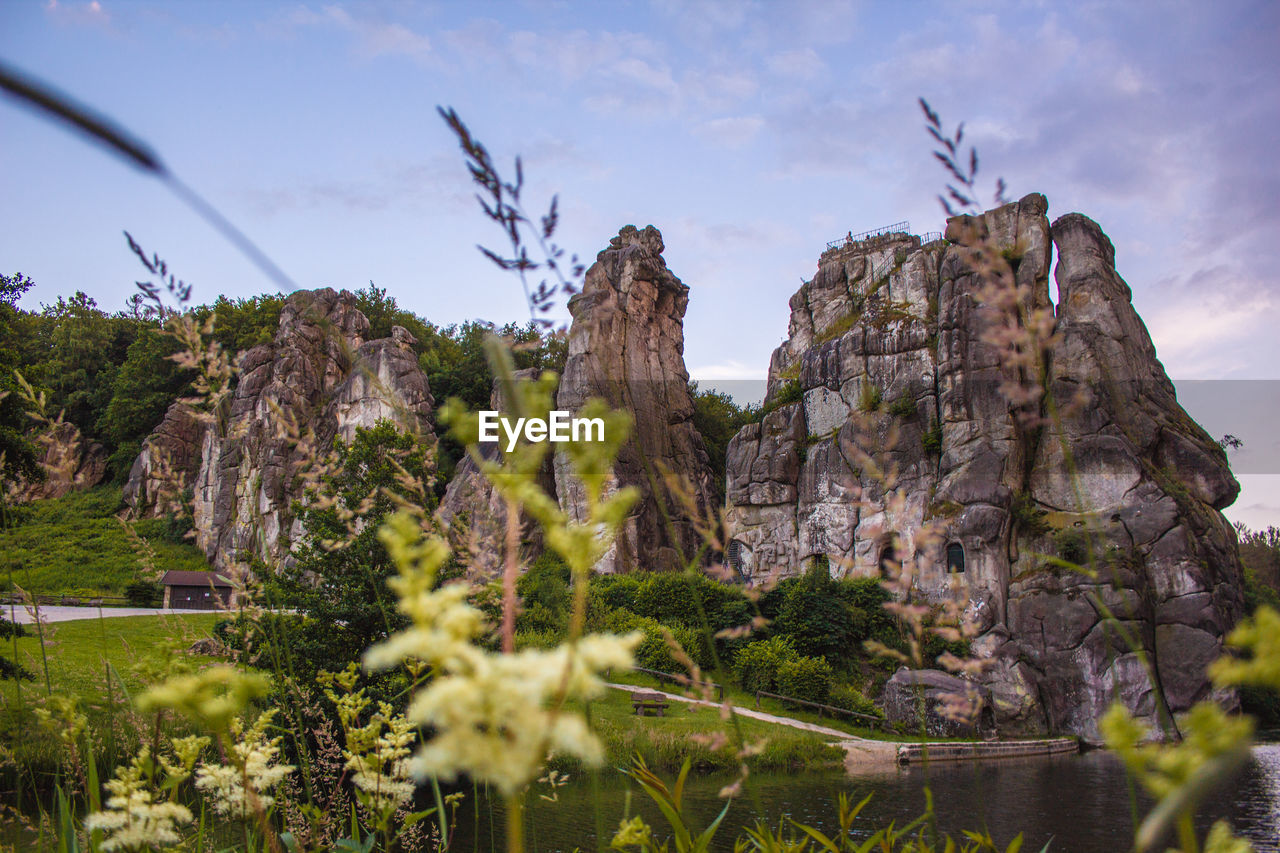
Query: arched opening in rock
column 890, row 563
column 955, row 558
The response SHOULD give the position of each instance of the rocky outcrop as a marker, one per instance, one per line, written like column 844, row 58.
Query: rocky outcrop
column 315, row 383
column 938, row 704
column 168, row 463
column 626, row 346
column 902, row 434
column 475, row 515
column 70, row 463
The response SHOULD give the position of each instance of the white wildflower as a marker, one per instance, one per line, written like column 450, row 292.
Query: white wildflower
column 134, row 819
column 252, row 763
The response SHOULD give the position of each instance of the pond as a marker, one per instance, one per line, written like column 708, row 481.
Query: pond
column 1079, row 803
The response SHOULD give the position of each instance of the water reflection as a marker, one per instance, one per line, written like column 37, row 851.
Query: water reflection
column 1080, row 803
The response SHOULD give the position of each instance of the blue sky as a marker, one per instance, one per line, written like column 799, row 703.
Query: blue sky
column 750, row 133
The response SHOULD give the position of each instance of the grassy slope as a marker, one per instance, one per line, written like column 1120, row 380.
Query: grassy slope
column 74, row 545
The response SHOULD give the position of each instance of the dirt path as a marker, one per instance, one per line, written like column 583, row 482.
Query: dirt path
column 757, row 715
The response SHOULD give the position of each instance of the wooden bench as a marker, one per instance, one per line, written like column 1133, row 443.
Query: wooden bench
column 642, row 703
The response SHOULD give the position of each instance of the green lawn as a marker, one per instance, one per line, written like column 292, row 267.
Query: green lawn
column 666, row 741
column 74, row 545
column 79, row 651
column 742, row 699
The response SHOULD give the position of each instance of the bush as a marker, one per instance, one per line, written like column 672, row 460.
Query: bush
column 869, row 396
column 931, row 441
column 653, row 651
column 851, row 699
column 756, row 664
column 618, row 592
column 144, row 594
column 1072, row 546
column 667, row 597
column 903, row 407
column 807, row 678
column 868, row 596
column 544, row 592
column 9, row 630
column 15, row 671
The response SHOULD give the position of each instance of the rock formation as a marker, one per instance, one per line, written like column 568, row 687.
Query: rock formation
column 318, row 380
column 70, row 463
column 626, row 346
column 476, row 516
column 970, row 486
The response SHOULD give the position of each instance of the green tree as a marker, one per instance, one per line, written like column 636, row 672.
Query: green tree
column 341, row 594
column 145, row 386
column 718, row 418
column 79, row 350
column 15, row 445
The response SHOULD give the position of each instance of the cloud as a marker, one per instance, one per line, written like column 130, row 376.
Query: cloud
column 92, row 13
column 417, row 185
column 801, row 64
column 373, row 37
column 731, row 131
column 1198, row 325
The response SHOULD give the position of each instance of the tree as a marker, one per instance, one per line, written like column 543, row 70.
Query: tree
column 18, row 451
column 341, row 593
column 718, row 418
column 145, row 386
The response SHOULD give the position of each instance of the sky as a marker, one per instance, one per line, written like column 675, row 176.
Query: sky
column 750, row 133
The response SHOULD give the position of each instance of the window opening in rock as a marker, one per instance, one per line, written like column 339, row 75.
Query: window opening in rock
column 955, row 558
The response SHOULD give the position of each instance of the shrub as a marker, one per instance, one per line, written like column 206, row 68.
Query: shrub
column 1027, row 515
column 617, row 592
column 1071, row 545
column 9, row 630
column 931, row 441
column 144, row 594
column 807, row 678
column 544, row 592
column 654, row 651
column 868, row 596
column 790, row 392
column 903, row 407
column 756, row 664
column 667, row 597
column 869, row 396
column 819, row 623
column 852, row 699
column 15, row 671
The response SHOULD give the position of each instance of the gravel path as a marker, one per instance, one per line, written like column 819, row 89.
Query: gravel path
column 64, row 613
column 756, row 715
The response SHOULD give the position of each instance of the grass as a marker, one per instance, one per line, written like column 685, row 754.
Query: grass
column 742, row 699
column 78, row 651
column 74, row 545
column 665, row 742
column 93, row 662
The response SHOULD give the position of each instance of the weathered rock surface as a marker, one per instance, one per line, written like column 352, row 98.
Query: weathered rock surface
column 626, row 346
column 475, row 516
column 907, row 445
column 70, row 463
column 923, row 697
column 168, row 462
column 317, row 381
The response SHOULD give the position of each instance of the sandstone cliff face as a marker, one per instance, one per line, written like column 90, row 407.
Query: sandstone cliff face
column 888, row 348
column 626, row 345
column 317, row 376
column 70, row 463
column 475, row 515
